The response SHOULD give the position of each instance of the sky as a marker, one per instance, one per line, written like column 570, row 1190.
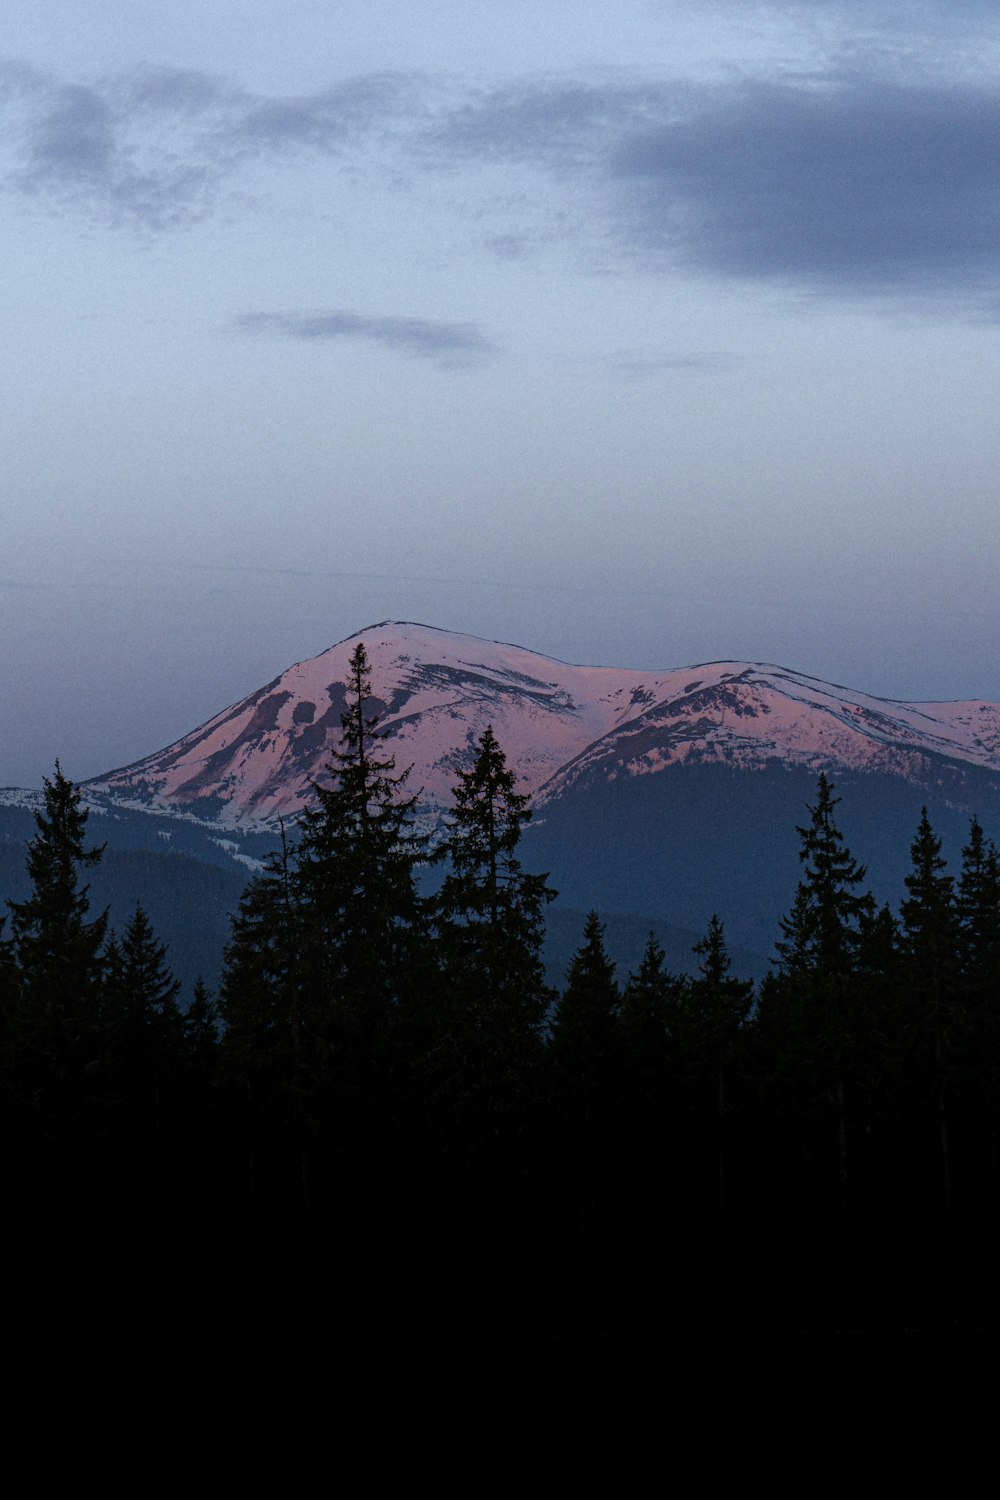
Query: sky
column 641, row 335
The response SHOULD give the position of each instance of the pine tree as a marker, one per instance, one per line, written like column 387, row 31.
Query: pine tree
column 821, row 934
column 326, row 951
column 201, row 1030
column 647, row 1016
column 489, row 916
column 354, row 877
column 719, row 1006
column 584, row 1033
column 585, row 1061
column 978, row 1045
column 261, row 995
column 978, row 910
column 58, row 958
column 9, row 1029
column 815, row 999
column 931, row 940
column 650, row 1121
column 142, row 1023
column 270, row 1045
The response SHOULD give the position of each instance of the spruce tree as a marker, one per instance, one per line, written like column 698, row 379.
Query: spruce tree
column 650, row 1124
column 57, row 953
column 718, row 1007
column 584, row 1056
column 931, row 943
column 978, row 1042
column 354, row 877
column 584, row 1045
column 327, row 954
column 9, row 1028
column 813, row 1007
column 271, row 1038
column 821, row 934
column 201, row 1029
column 489, row 916
column 647, row 1018
column 142, row 1022
column 978, row 911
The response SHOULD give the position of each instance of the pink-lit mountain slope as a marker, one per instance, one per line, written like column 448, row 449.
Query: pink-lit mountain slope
column 560, row 726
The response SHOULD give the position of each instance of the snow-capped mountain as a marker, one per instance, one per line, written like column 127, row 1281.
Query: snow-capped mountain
column 562, row 727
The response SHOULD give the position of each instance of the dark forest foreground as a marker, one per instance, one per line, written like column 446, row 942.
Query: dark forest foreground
column 388, row 1127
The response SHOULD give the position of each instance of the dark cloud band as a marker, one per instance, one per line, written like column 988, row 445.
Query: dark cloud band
column 840, row 184
column 846, row 188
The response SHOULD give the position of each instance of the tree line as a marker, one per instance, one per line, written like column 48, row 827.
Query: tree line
column 385, row 1048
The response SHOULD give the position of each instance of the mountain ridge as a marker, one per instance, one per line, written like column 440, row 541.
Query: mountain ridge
column 435, row 691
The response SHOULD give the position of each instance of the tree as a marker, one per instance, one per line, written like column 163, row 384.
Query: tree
column 142, row 1023
column 978, row 917
column 325, row 952
column 647, row 1017
column 821, row 934
column 201, row 1031
column 978, row 911
column 584, row 1055
column 58, row 957
column 584, row 1037
column 489, row 916
column 354, row 877
column 271, row 1037
column 815, row 997
column 930, row 944
column 719, row 1006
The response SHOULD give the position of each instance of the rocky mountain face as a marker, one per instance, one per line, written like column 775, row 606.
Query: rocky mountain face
column 564, row 728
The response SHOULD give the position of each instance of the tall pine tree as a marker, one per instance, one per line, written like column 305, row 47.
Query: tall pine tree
column 812, row 1007
column 931, row 943
column 490, row 924
column 354, row 877
column 57, row 953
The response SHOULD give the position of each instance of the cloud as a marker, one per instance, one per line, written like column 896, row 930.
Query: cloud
column 153, row 148
column 851, row 187
column 842, row 181
column 639, row 364
column 836, row 182
column 550, row 122
column 444, row 343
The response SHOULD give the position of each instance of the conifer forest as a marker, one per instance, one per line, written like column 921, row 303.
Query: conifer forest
column 385, row 1074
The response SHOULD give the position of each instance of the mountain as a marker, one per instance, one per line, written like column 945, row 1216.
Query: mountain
column 562, row 727
column 659, row 797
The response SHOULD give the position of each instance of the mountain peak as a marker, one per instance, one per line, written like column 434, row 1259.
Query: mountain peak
column 435, row 691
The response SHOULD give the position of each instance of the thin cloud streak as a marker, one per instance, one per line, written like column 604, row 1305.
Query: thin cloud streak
column 444, row 343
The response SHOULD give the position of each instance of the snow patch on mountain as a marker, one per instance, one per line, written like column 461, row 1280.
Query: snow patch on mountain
column 435, row 692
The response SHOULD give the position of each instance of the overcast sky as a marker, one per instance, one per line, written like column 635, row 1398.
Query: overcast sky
column 640, row 335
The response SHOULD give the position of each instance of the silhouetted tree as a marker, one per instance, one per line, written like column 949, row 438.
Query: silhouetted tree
column 201, row 1029
column 270, row 1040
column 584, row 1046
column 812, row 1006
column 647, row 1018
column 57, row 954
column 143, row 1031
column 718, row 1006
column 354, row 879
column 489, row 918
column 931, row 941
